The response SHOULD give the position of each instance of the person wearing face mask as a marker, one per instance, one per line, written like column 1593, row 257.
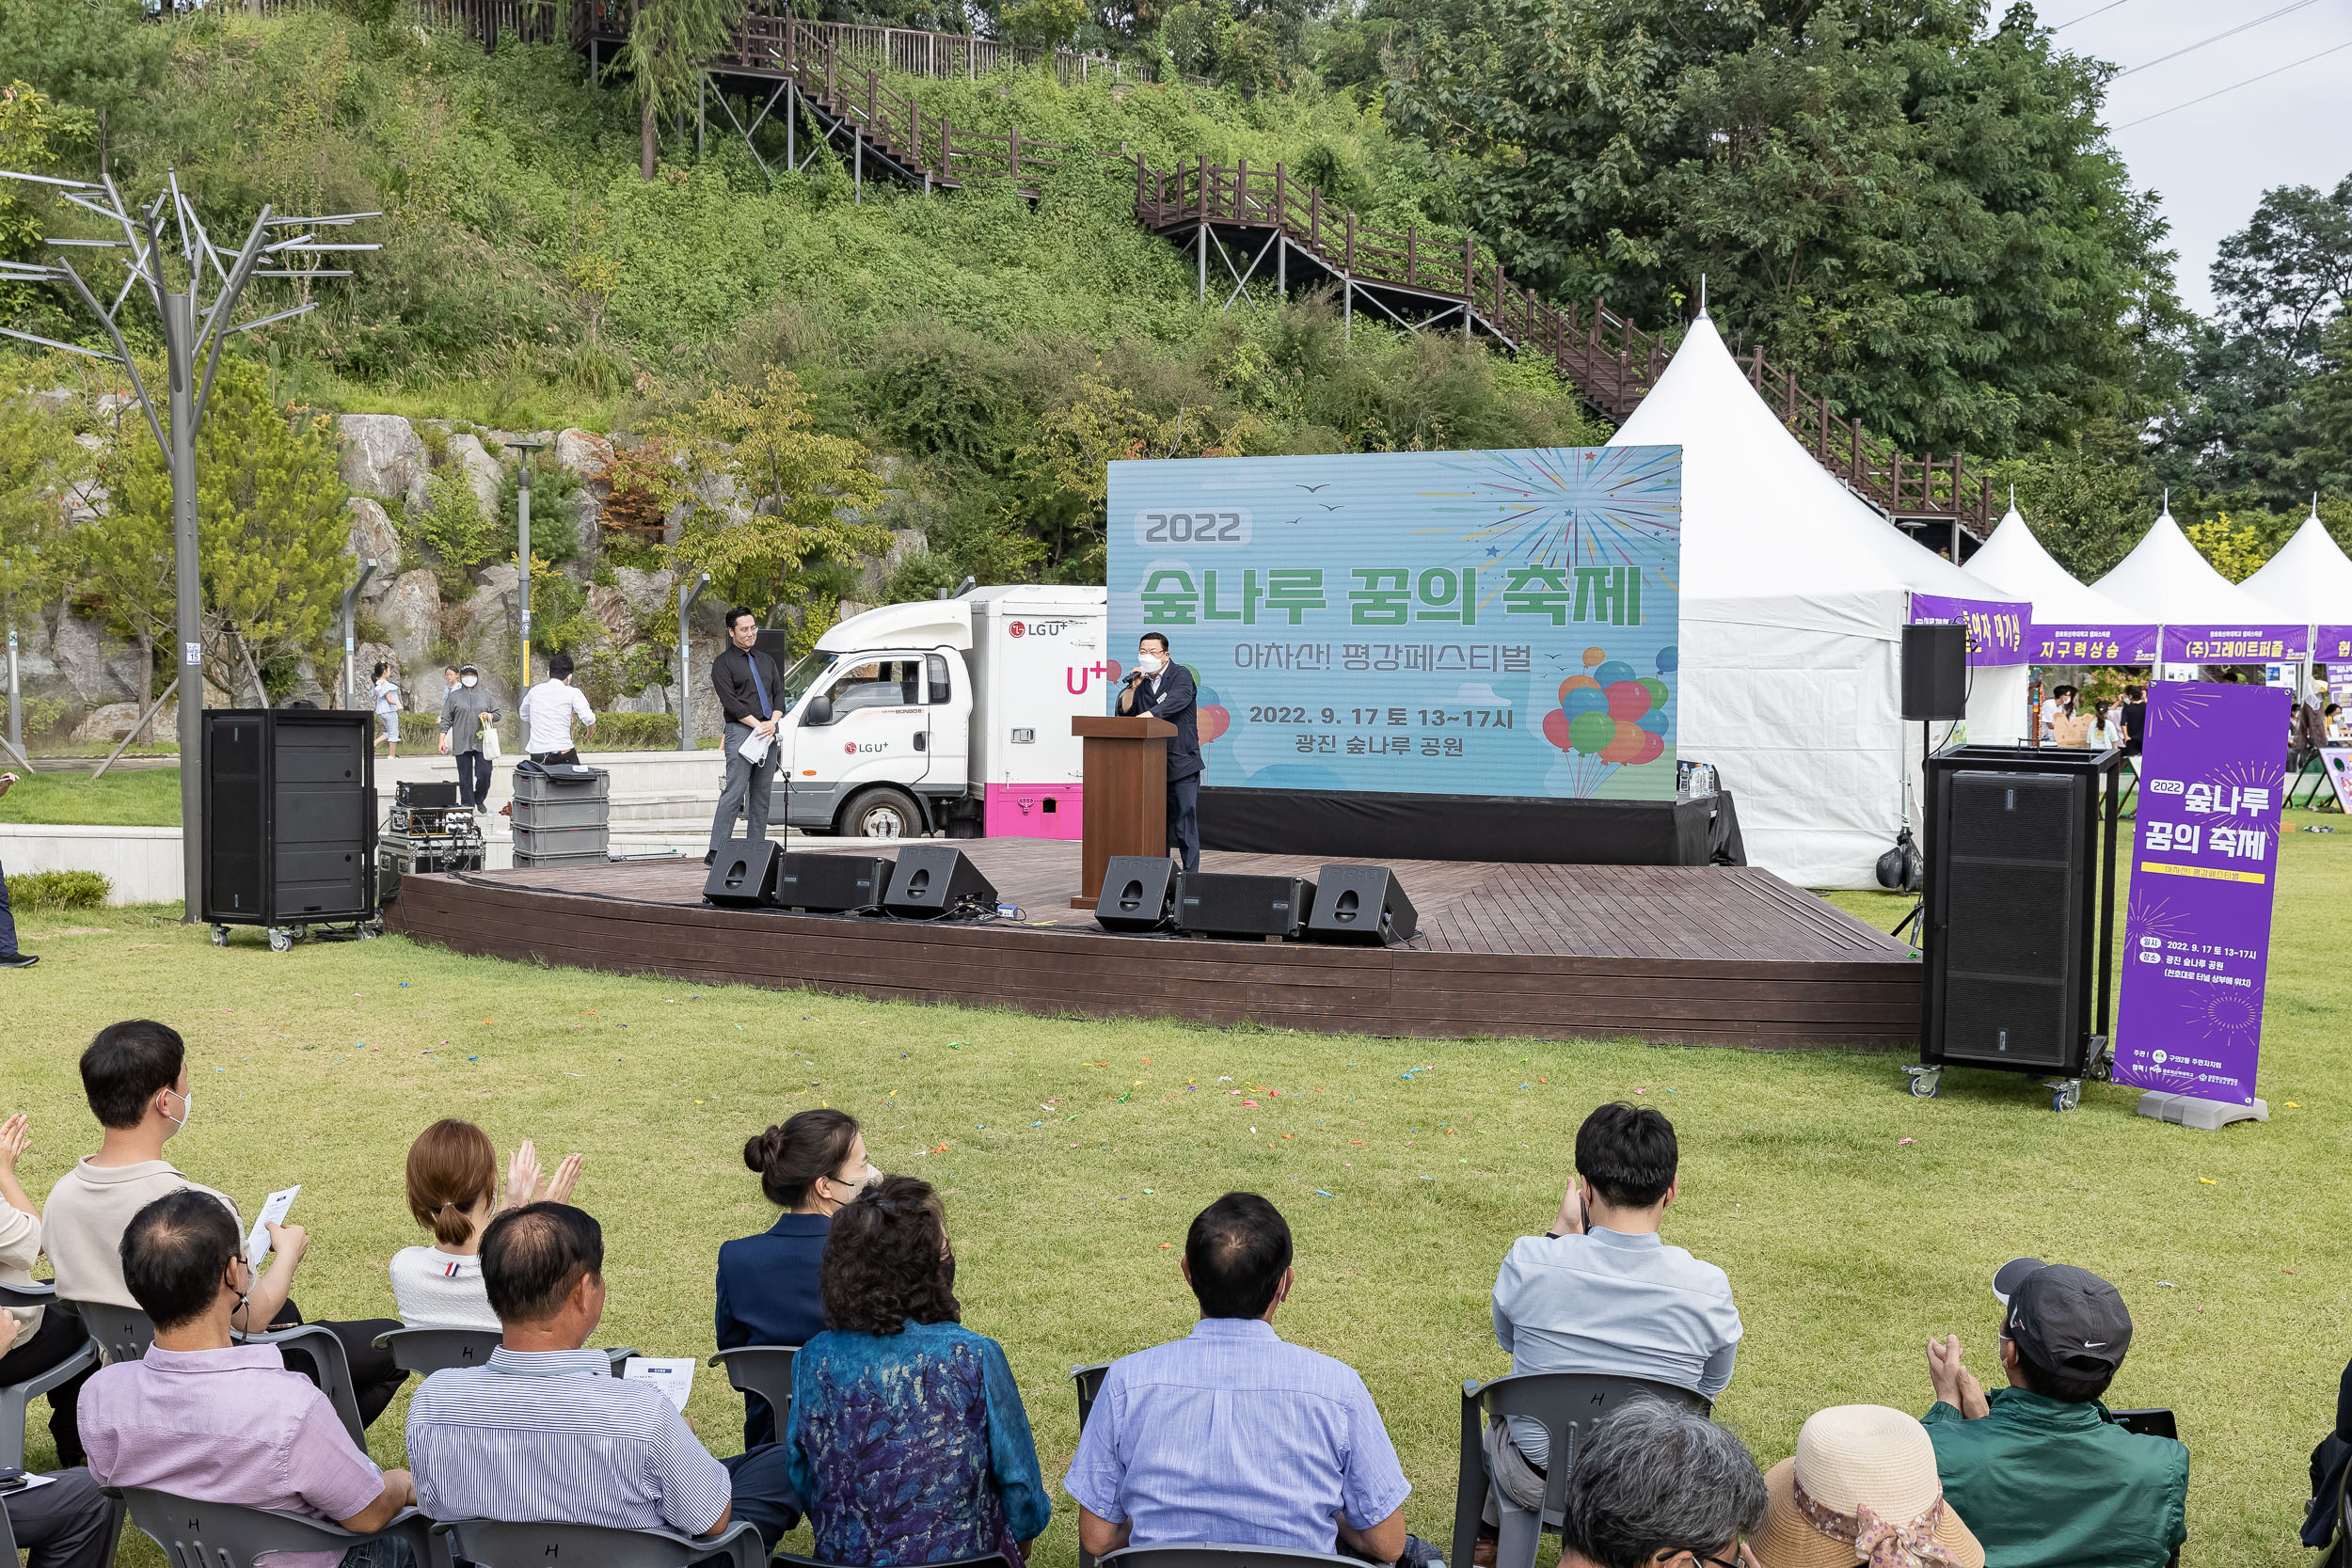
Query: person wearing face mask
column 1158, row 688
column 809, row 1167
column 135, row 1077
column 464, row 712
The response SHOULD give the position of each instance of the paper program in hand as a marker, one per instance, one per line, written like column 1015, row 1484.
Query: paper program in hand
column 274, row 1210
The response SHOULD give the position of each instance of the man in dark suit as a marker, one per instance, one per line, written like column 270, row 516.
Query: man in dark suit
column 748, row 684
column 1159, row 687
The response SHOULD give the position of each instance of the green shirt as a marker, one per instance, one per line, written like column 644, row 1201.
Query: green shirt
column 2043, row 1482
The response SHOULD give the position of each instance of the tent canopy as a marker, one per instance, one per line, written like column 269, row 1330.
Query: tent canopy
column 2164, row 579
column 2308, row 579
column 2012, row 561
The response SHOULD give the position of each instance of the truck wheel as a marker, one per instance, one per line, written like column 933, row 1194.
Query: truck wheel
column 883, row 813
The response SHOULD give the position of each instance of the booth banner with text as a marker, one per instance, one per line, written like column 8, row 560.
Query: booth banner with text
column 1997, row 627
column 2204, row 861
column 1471, row 623
column 2332, row 645
column 2078, row 644
column 2194, row 644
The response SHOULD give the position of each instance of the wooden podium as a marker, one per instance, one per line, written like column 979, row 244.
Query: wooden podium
column 1125, row 808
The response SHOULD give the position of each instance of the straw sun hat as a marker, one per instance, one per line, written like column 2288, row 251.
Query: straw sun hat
column 1861, row 1471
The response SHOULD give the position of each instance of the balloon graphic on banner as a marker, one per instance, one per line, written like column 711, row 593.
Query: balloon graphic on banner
column 1611, row 716
column 1593, row 656
column 1209, row 716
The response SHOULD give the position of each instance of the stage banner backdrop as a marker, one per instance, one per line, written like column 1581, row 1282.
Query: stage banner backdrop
column 2205, row 860
column 2190, row 645
column 1465, row 623
column 2117, row 644
column 1997, row 627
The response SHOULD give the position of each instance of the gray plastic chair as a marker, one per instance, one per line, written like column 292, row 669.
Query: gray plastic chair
column 224, row 1535
column 1566, row 1404
column 121, row 1333
column 1089, row 1382
column 1211, row 1554
column 765, row 1371
column 15, row 1396
column 497, row 1544
column 426, row 1351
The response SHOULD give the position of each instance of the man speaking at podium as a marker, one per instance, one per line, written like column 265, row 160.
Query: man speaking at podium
column 1160, row 688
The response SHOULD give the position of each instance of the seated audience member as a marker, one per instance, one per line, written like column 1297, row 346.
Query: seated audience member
column 1600, row 1292
column 907, row 1436
column 1659, row 1486
column 767, row 1291
column 452, row 1192
column 2328, row 1460
column 1230, row 1434
column 38, row 1337
column 61, row 1523
column 1861, row 1488
column 545, row 1431
column 205, row 1419
column 135, row 1077
column 2037, row 1469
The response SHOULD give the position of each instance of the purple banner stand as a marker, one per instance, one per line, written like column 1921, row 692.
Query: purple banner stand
column 2192, row 644
column 1997, row 627
column 2333, row 645
column 2196, row 936
column 2074, row 644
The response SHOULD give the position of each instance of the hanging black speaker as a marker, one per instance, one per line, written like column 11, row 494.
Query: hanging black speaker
column 743, row 876
column 1138, row 890
column 933, row 879
column 1936, row 672
column 1360, row 903
column 831, row 884
column 1216, row 904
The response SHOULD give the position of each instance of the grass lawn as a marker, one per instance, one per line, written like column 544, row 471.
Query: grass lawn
column 125, row 798
column 1074, row 1153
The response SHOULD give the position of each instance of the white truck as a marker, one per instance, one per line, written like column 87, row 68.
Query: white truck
column 945, row 716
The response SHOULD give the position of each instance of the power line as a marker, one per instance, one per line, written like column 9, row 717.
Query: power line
column 2234, row 85
column 2234, row 32
column 2088, row 15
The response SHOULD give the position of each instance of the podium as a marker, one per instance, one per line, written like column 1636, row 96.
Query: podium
column 1125, row 805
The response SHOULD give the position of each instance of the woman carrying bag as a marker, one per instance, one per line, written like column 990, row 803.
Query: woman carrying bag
column 469, row 733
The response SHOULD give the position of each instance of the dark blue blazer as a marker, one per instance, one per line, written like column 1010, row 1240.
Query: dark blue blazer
column 767, row 1296
column 1174, row 703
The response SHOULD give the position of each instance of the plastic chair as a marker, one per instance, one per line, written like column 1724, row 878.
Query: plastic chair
column 426, row 1351
column 765, row 1371
column 1565, row 1403
column 1087, row 1380
column 225, row 1535
column 120, row 1333
column 15, row 1396
column 331, row 1369
column 994, row 1559
column 499, row 1544
column 1210, row 1554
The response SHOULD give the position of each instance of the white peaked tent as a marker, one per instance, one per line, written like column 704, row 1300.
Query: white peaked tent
column 2014, row 564
column 1794, row 593
column 2164, row 579
column 2308, row 580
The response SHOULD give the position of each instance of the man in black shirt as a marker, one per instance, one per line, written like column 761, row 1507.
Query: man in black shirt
column 2134, row 719
column 748, row 683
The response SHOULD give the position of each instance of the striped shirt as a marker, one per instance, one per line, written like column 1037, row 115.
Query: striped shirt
column 553, row 1436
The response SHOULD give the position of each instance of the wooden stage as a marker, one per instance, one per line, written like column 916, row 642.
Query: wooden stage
column 1711, row 955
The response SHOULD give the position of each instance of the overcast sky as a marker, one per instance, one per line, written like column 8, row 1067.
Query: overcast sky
column 2211, row 162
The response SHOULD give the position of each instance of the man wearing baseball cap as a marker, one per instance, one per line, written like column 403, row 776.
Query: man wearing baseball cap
column 2039, row 1470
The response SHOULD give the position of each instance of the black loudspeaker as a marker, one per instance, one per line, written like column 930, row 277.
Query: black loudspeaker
column 830, row 884
column 1936, row 672
column 933, row 880
column 1136, row 893
column 1218, row 905
column 289, row 816
column 1360, row 903
column 410, row 793
column 743, row 876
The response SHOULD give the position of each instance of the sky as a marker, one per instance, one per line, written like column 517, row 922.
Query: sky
column 2211, row 162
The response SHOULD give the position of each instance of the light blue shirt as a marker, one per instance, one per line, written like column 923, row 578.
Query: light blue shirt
column 554, row 1435
column 1233, row 1436
column 1615, row 1304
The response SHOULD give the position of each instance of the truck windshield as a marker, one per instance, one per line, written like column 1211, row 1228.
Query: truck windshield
column 808, row 672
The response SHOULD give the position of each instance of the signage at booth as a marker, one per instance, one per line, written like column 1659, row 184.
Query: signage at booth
column 2204, row 860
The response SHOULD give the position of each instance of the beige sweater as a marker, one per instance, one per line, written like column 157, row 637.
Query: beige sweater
column 87, row 1211
column 20, row 1243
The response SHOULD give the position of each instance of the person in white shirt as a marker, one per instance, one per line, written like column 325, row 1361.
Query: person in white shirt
column 452, row 1192
column 547, row 714
column 386, row 692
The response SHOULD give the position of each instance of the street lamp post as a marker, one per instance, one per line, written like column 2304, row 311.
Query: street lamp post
column 522, row 554
column 686, row 597
column 351, row 645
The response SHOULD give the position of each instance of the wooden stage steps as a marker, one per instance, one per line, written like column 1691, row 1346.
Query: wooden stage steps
column 1704, row 955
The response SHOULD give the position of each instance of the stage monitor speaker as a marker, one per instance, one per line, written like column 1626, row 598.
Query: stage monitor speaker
column 743, row 876
column 289, row 816
column 1217, row 904
column 831, row 884
column 1936, row 672
column 1138, row 890
column 2009, row 953
column 1360, row 903
column 933, row 879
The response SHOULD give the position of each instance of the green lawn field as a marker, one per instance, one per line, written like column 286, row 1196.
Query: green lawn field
column 125, row 798
column 1855, row 1220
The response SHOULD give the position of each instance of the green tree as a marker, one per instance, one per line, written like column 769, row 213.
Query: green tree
column 100, row 58
column 40, row 464
column 2086, row 500
column 2234, row 549
column 1047, row 24
column 669, row 43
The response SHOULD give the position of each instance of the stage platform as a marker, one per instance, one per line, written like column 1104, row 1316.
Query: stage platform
column 1699, row 954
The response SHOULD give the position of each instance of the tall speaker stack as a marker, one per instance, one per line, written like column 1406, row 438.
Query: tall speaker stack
column 289, row 821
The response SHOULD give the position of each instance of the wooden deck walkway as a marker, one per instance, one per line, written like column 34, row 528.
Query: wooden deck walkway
column 1719, row 955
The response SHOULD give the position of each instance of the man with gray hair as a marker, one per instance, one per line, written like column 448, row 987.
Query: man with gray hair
column 1658, row 1485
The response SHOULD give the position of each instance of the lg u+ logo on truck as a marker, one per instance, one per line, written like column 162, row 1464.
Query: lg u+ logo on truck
column 1037, row 628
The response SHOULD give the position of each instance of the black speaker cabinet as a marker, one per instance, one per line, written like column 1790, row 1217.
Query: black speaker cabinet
column 1360, row 903
column 289, row 816
column 2020, row 909
column 933, row 880
column 831, row 884
column 743, row 876
column 1138, row 890
column 1219, row 905
column 1936, row 672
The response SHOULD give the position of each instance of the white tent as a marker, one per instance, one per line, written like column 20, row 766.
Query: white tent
column 2164, row 579
column 2012, row 564
column 1794, row 593
column 2308, row 580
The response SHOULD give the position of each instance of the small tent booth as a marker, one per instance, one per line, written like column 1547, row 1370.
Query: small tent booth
column 2206, row 619
column 2071, row 623
column 1794, row 595
column 2310, row 581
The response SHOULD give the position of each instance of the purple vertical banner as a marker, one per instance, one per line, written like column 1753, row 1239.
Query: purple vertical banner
column 2204, row 858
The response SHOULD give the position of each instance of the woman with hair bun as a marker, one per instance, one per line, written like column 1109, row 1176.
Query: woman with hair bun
column 809, row 1166
column 452, row 1192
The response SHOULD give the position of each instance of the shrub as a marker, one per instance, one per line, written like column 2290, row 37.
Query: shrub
column 29, row 891
column 634, row 732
